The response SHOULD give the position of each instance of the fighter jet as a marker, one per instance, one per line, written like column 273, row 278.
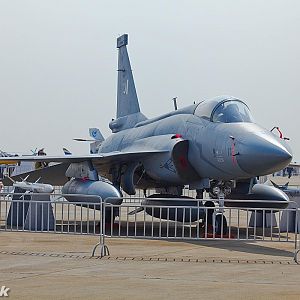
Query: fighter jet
column 214, row 145
column 292, row 192
column 281, row 187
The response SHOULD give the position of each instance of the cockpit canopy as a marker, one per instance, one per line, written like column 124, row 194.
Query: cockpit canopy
column 224, row 110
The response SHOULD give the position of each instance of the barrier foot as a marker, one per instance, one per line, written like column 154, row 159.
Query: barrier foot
column 296, row 257
column 104, row 251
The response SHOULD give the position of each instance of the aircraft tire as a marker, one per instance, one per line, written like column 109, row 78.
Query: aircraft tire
column 220, row 218
column 209, row 214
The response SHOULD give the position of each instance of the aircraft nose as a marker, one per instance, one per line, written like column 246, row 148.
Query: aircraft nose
column 262, row 154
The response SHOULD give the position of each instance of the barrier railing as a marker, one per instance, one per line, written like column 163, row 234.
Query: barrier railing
column 51, row 213
column 194, row 221
column 149, row 218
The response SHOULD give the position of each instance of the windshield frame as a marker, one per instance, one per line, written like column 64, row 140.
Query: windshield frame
column 230, row 100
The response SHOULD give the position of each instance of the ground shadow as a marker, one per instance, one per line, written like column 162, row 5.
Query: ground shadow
column 241, row 246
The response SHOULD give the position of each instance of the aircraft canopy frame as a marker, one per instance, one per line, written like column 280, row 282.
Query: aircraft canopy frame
column 224, row 110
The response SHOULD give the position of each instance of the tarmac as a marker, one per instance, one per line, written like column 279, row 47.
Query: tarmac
column 59, row 266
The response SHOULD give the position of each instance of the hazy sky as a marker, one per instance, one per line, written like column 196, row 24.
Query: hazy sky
column 58, row 62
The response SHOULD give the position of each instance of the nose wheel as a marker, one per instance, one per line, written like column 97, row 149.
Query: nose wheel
column 221, row 228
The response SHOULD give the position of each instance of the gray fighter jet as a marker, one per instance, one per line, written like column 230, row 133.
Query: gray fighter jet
column 293, row 191
column 214, row 145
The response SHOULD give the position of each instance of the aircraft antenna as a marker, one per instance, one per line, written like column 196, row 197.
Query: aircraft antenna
column 175, row 103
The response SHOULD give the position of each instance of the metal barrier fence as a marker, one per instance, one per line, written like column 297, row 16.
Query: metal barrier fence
column 49, row 213
column 148, row 219
column 194, row 221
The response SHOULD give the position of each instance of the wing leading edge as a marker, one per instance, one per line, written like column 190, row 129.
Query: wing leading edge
column 55, row 174
column 104, row 158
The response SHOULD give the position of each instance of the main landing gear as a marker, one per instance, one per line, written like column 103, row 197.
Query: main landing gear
column 213, row 217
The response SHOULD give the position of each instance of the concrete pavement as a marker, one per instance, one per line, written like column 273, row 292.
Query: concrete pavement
column 54, row 266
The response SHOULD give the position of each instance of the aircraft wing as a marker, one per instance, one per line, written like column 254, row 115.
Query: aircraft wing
column 55, row 174
column 99, row 159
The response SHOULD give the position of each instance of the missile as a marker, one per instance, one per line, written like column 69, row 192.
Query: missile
column 34, row 187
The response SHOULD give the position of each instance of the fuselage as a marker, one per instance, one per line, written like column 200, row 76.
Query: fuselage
column 217, row 150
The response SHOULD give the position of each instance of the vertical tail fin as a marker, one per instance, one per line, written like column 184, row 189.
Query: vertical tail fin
column 128, row 109
column 96, row 134
column 66, row 151
column 127, row 100
column 98, row 137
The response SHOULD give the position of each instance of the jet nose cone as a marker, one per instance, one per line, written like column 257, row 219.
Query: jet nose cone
column 263, row 154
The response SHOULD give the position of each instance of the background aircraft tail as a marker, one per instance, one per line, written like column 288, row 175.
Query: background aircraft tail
column 128, row 109
column 96, row 134
column 97, row 139
column 66, row 151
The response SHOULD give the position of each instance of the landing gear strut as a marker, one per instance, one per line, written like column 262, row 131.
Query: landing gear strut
column 209, row 212
column 112, row 212
column 216, row 217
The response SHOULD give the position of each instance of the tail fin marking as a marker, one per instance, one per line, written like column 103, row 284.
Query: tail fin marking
column 128, row 108
column 127, row 100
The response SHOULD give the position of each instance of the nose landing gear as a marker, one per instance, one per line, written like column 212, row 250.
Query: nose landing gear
column 216, row 221
column 215, row 216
